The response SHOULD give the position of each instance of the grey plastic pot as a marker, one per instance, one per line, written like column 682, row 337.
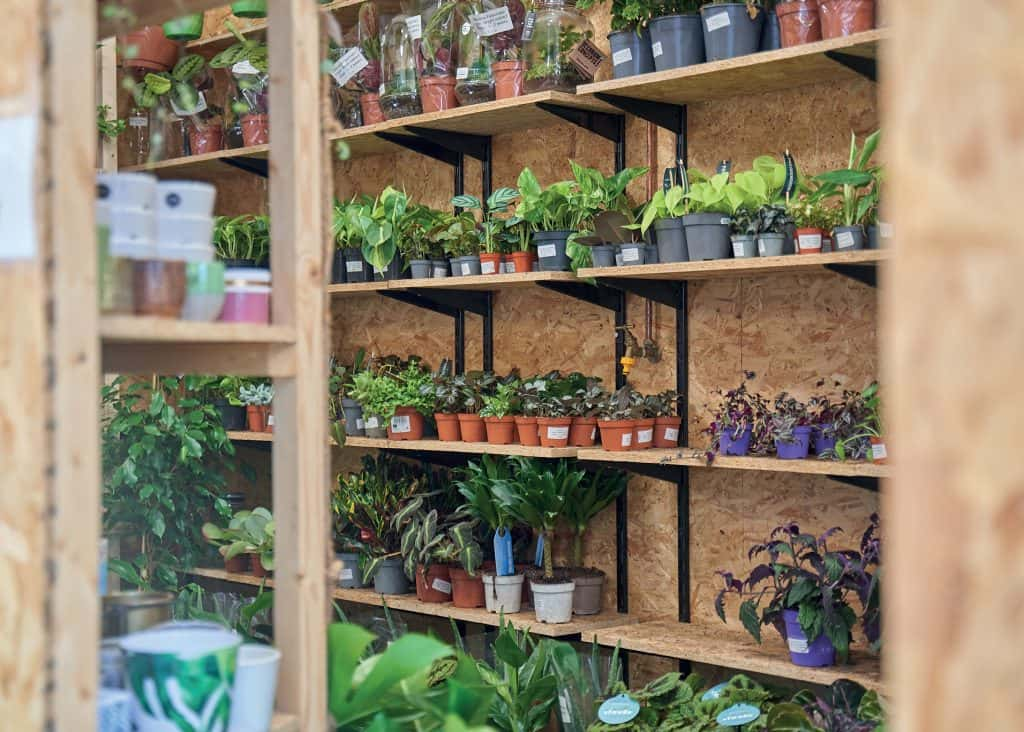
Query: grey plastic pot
column 603, row 255
column 707, row 236
column 439, row 268
column 420, row 268
column 744, row 246
column 465, row 266
column 651, row 254
column 338, row 267
column 771, row 34
column 392, row 272
column 631, row 254
column 587, row 595
column 677, row 41
column 671, row 237
column 353, row 417
column 374, row 426
column 390, row 579
column 551, row 255
column 355, row 267
column 847, row 238
column 770, row 245
column 729, row 31
column 631, row 53
column 350, row 575
column 552, row 603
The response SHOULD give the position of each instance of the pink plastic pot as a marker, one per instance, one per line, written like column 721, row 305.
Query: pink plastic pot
column 246, row 296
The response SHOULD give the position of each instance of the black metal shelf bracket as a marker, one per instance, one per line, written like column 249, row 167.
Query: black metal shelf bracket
column 256, row 166
column 413, row 298
column 857, row 481
column 664, row 292
column 866, row 66
column 473, row 301
column 606, row 124
column 423, row 147
column 476, row 146
column 604, row 297
column 864, row 273
column 671, row 117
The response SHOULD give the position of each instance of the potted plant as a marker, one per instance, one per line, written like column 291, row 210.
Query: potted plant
column 416, row 240
column 790, row 426
column 239, row 242
column 851, row 187
column 583, row 406
column 773, row 225
column 617, row 420
column 149, row 49
column 340, row 387
column 536, row 497
column 438, row 47
column 604, row 216
column 845, row 17
column 765, row 190
column 708, row 221
column 467, row 581
column 257, row 398
column 519, row 235
column 553, row 419
column 814, row 221
column 740, row 422
column 369, row 78
column 643, row 427
column 665, row 407
column 824, row 427
column 551, row 216
column 376, row 394
column 799, row 22
column 249, row 64
column 591, row 495
column 347, row 547
column 348, row 265
column 447, row 397
column 410, row 403
column 426, row 550
column 559, row 29
column 473, row 386
column 505, row 41
column 731, row 28
column 677, row 34
column 474, row 82
column 630, row 39
column 380, row 227
column 249, row 533
column 491, row 226
column 461, row 241
column 499, row 422
column 530, row 397
column 229, row 545
column 227, row 400
column 399, row 91
column 808, row 600
column 859, row 427
column 665, row 211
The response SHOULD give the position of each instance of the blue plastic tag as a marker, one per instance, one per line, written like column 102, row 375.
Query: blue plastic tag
column 504, row 566
column 618, row 710
column 714, row 692
column 538, row 558
column 738, row 715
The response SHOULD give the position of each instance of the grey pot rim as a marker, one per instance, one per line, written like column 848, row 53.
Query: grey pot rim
column 670, row 222
column 554, row 234
column 636, row 31
column 729, row 5
column 695, row 16
column 698, row 219
column 771, row 235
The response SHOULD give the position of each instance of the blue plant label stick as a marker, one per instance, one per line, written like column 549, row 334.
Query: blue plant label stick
column 504, row 566
column 539, row 559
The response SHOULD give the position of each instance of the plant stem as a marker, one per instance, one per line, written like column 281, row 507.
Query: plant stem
column 577, row 547
column 549, row 569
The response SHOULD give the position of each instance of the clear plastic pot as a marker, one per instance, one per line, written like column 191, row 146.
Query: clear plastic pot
column 399, row 91
column 474, row 82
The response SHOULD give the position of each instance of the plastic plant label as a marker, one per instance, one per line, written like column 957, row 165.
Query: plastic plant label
column 245, row 68
column 17, row 188
column 737, row 249
column 797, row 645
column 622, row 56
column 503, row 564
column 445, row 588
column 716, row 21
column 618, row 710
column 345, row 574
column 353, row 266
column 738, row 715
column 760, row 247
column 462, row 72
column 372, row 423
column 487, row 267
column 538, row 558
column 844, row 239
column 528, row 24
column 885, row 230
column 631, row 255
column 644, row 436
column 627, row 439
column 360, row 424
column 440, row 271
column 587, row 58
column 725, row 221
column 200, row 107
column 270, row 420
column 809, row 242
column 558, row 433
column 401, row 424
column 465, row 268
column 351, row 63
column 138, row 121
column 565, row 708
column 414, row 24
column 878, row 451
column 593, row 433
column 714, row 692
column 545, row 251
column 656, row 49
column 671, row 433
column 492, row 22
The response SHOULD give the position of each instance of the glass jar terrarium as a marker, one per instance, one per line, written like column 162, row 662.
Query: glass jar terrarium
column 368, row 79
column 438, row 47
column 558, row 31
column 399, row 92
column 474, row 82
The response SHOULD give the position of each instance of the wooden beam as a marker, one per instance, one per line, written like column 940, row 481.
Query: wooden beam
column 248, row 359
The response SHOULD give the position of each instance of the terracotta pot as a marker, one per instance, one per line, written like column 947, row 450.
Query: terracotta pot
column 616, row 434
column 508, row 78
column 467, row 591
column 237, row 564
column 447, row 427
column 879, row 455
column 435, row 584
column 370, row 105
column 583, row 432
column 152, row 49
column 522, row 262
column 257, row 566
column 207, row 140
column 799, row 22
column 255, row 129
column 437, row 93
column 472, row 428
column 666, row 431
column 845, row 17
column 643, row 433
column 526, row 431
column 490, row 263
column 554, row 431
column 810, row 240
column 407, row 424
column 158, row 287
column 256, row 417
column 500, row 430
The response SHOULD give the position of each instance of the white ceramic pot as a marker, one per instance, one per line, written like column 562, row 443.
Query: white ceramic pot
column 132, row 224
column 553, row 603
column 185, row 198
column 127, row 190
column 177, row 230
column 252, row 705
column 504, row 594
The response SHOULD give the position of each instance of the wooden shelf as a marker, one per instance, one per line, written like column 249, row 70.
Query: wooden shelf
column 473, row 448
column 132, row 329
column 201, row 166
column 722, row 268
column 720, row 647
column 472, row 282
column 755, row 73
column 692, row 458
column 356, row 288
column 246, row 436
column 582, row 625
column 488, row 118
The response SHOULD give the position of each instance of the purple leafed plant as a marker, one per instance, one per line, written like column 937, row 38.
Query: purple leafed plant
column 788, row 414
column 739, row 409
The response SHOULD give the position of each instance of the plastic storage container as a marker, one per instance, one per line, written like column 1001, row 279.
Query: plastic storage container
column 246, row 296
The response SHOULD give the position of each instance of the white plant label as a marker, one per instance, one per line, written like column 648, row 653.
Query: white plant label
column 462, row 72
column 565, row 707
column 656, row 49
column 644, row 436
column 547, row 250
column 353, row 266
column 671, row 434
column 445, row 588
column 844, row 239
column 798, row 645
column 528, row 24
column 631, row 255
column 465, row 267
column 558, row 433
column 487, row 267
column 622, row 56
column 737, row 249
column 593, row 433
column 377, row 270
column 17, row 188
column 138, row 121
column 627, row 439
column 809, row 242
column 372, row 423
column 351, row 63
column 885, row 230
column 401, row 424
column 414, row 24
column 491, row 22
column 270, row 420
column 200, row 107
column 244, row 68
column 440, row 271
column 716, row 21
column 360, row 424
column 878, row 451
column 725, row 221
column 345, row 574
column 760, row 247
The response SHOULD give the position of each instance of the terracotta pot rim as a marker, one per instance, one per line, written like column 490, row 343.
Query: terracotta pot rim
column 525, row 420
column 500, row 420
column 468, row 415
column 617, row 422
column 667, row 420
column 584, row 420
column 507, row 65
column 437, row 81
column 446, row 416
column 554, row 420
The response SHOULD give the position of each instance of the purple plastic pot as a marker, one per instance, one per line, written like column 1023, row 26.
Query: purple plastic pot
column 795, row 450
column 819, row 442
column 820, row 652
column 730, row 444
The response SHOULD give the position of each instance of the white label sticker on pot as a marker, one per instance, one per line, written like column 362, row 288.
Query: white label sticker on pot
column 725, row 221
column 200, row 107
column 631, row 254
column 593, row 433
column 656, row 49
column 844, row 239
column 809, row 242
column 462, row 72
column 445, row 588
column 372, row 423
column 558, row 433
column 878, row 451
column 351, row 63
column 378, row 270
column 622, row 56
column 491, row 22
column 440, row 271
column 138, row 121
column 270, row 420
column 885, row 230
column 401, row 424
column 17, row 188
column 353, row 266
column 671, row 434
column 547, row 250
column 627, row 439
column 360, row 424
column 528, row 24
column 737, row 249
column 644, row 436
column 487, row 267
column 465, row 267
column 244, row 68
column 345, row 574
column 414, row 24
column 716, row 21
column 760, row 247
column 798, row 645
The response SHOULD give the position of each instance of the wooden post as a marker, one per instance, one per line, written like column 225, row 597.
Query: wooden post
column 953, row 352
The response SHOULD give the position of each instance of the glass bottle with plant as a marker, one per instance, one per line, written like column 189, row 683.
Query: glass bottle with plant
column 439, row 51
column 474, row 82
column 558, row 30
column 249, row 66
column 491, row 226
column 399, row 95
column 204, row 121
column 369, row 79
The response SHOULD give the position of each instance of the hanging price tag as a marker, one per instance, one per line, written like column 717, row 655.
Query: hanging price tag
column 492, row 22
column 351, row 63
column 244, row 68
column 587, row 58
column 414, row 24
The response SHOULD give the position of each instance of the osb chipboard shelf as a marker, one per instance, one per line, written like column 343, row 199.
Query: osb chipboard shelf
column 692, row 458
column 582, row 626
column 753, row 73
column 200, row 166
column 246, row 436
column 719, row 647
column 488, row 118
column 474, row 448
column 722, row 268
column 141, row 329
column 469, row 282
column 356, row 288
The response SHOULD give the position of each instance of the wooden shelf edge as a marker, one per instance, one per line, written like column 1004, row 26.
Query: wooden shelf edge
column 128, row 329
column 472, row 282
column 246, row 436
column 185, row 161
column 471, row 448
column 694, row 458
